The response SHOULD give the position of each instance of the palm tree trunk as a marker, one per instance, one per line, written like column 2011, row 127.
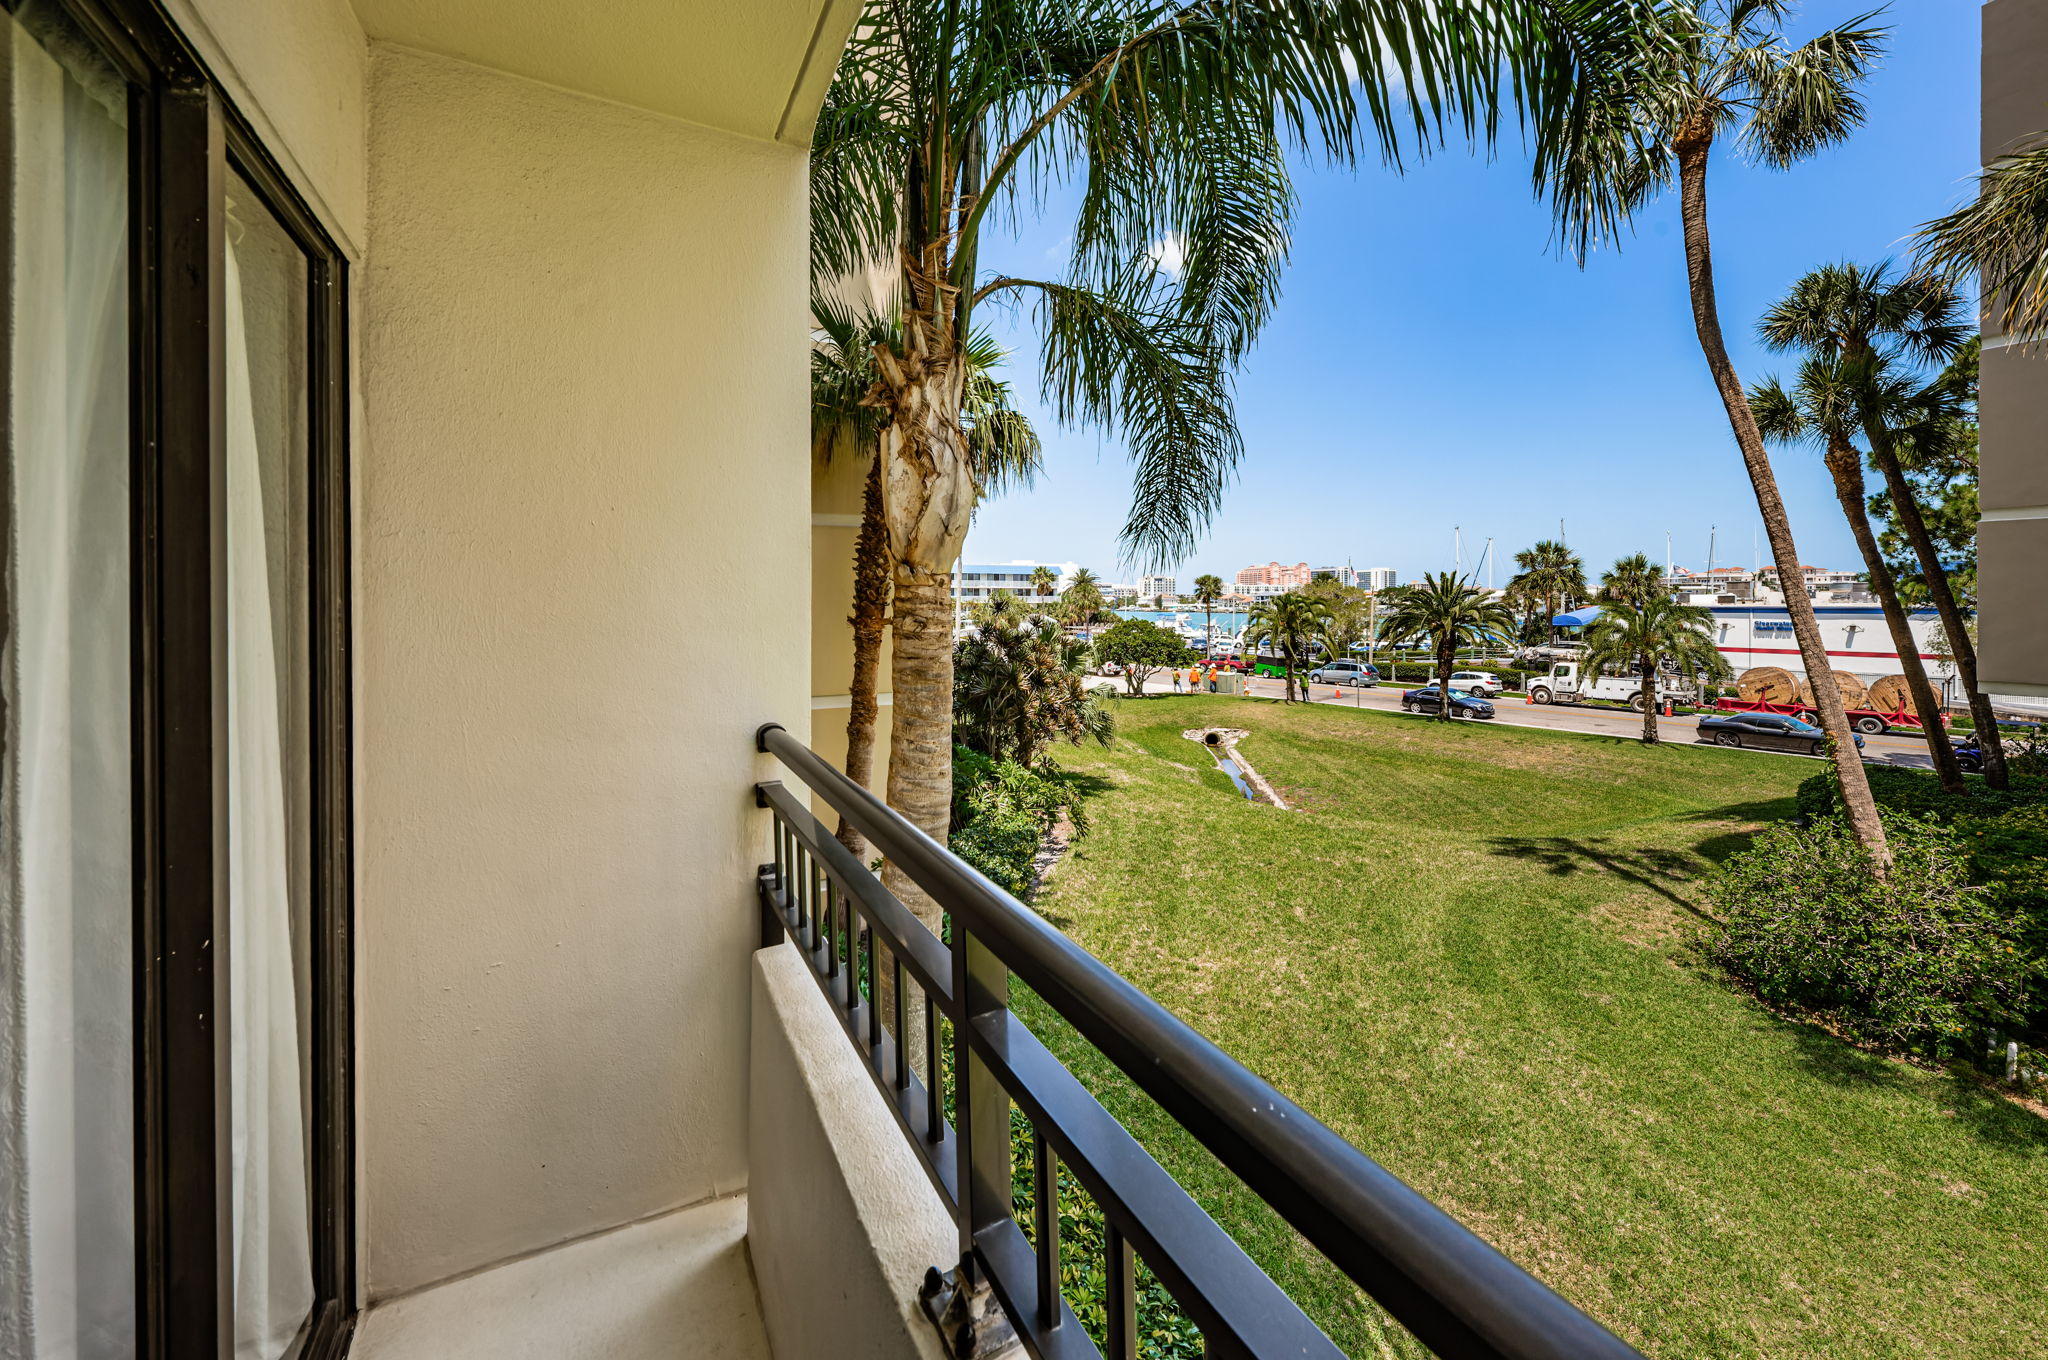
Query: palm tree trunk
column 1649, row 693
column 1907, row 508
column 870, row 619
column 1846, row 467
column 1446, row 662
column 1692, row 147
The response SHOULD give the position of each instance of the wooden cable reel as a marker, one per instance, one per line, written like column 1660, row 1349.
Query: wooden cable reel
column 1853, row 693
column 1890, row 695
column 1768, row 684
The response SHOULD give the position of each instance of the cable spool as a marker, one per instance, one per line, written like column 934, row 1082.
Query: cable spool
column 1853, row 693
column 1767, row 684
column 1888, row 694
column 1804, row 694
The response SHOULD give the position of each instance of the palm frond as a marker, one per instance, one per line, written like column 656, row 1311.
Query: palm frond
column 2002, row 237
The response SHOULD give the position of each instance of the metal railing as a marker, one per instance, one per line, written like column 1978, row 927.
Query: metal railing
column 1452, row 1291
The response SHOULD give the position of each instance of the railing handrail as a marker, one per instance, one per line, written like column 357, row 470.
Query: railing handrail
column 1452, row 1290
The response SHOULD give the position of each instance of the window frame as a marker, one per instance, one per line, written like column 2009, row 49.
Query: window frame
column 184, row 136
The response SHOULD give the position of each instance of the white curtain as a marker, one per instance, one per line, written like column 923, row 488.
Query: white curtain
column 66, row 1089
column 273, row 1260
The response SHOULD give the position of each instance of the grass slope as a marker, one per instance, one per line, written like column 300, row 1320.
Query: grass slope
column 1467, row 953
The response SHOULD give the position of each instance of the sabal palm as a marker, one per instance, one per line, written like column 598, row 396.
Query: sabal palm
column 1451, row 611
column 1018, row 687
column 1208, row 590
column 1821, row 409
column 846, row 424
column 1876, row 327
column 2002, row 237
column 1631, row 580
column 1083, row 603
column 1293, row 625
column 1043, row 580
column 1709, row 72
column 1551, row 572
column 1175, row 121
column 1644, row 633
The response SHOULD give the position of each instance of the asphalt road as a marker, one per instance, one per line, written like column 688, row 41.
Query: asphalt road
column 1886, row 749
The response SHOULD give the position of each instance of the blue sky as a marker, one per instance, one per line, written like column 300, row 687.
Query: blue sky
column 1433, row 364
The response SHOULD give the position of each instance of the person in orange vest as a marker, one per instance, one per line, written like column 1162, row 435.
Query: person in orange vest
column 1212, row 677
column 1194, row 678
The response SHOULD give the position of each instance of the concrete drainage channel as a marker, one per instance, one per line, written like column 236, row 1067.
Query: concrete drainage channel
column 1222, row 744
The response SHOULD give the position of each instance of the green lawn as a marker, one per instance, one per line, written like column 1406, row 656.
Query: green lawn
column 1468, row 953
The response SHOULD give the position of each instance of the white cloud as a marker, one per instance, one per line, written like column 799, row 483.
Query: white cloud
column 1168, row 253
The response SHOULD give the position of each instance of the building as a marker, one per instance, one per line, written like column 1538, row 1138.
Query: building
column 1161, row 588
column 1266, row 592
column 1273, row 574
column 1732, row 585
column 1377, row 578
column 973, row 582
column 2012, row 491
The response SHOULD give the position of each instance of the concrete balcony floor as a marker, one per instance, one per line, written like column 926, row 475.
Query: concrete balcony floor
column 676, row 1286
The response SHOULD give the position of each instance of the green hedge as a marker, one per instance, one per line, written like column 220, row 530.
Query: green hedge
column 1919, row 792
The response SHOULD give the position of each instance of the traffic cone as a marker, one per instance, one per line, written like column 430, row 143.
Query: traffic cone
column 1339, row 695
column 1530, row 697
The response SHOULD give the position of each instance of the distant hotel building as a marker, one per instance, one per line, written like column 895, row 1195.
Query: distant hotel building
column 1161, row 587
column 1273, row 574
column 1376, row 578
column 973, row 581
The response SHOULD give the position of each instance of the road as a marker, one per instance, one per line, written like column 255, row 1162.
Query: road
column 1885, row 749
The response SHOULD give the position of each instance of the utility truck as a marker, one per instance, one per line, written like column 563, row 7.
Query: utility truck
column 1567, row 684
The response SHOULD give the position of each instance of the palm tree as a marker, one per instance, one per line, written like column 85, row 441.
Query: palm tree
column 1643, row 633
column 1175, row 121
column 1452, row 612
column 1631, row 580
column 1044, row 580
column 1552, row 573
column 1709, row 70
column 1019, row 686
column 1082, row 603
column 1293, row 625
column 2003, row 239
column 1208, row 590
column 845, row 424
column 1821, row 410
column 1872, row 324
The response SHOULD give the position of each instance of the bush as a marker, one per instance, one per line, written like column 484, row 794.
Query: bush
column 1920, row 960
column 1001, row 813
column 1919, row 792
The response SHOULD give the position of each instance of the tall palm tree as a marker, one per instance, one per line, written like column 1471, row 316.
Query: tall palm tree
column 1821, row 410
column 1643, row 632
column 1083, row 603
column 1019, row 686
column 1552, row 573
column 1873, row 323
column 1208, row 590
column 1294, row 625
column 846, row 424
column 1631, row 580
column 2003, row 239
column 1452, row 612
column 1708, row 71
column 1044, row 580
column 1175, row 121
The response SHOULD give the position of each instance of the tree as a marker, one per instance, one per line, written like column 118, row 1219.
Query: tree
column 1936, row 445
column 1451, row 611
column 2003, row 239
column 1708, row 70
column 1872, row 324
column 1294, row 625
column 1019, row 686
column 1552, row 573
column 1044, row 580
column 1821, row 410
column 1140, row 647
column 1082, row 604
column 1208, row 590
column 1643, row 632
column 1350, row 608
column 1175, row 122
column 846, row 424
column 1631, row 580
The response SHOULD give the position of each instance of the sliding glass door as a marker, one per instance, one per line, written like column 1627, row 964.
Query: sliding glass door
column 175, row 1082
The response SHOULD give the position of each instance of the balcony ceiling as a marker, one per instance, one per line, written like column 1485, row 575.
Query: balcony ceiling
column 758, row 68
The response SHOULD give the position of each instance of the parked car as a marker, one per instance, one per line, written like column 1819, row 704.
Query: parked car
column 1484, row 684
column 1463, row 705
column 1345, row 671
column 1767, row 732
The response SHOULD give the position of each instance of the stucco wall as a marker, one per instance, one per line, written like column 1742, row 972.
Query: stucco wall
column 842, row 1221
column 584, row 542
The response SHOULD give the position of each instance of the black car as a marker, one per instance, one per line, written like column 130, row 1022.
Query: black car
column 1767, row 732
column 1463, row 705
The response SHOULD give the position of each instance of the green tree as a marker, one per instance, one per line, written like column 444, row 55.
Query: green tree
column 1083, row 605
column 1019, row 685
column 1044, row 580
column 1175, row 123
column 1350, row 609
column 1000, row 442
column 1552, row 573
column 1874, row 324
column 1642, row 634
column 1631, row 580
column 2002, row 238
column 1293, row 625
column 1936, row 442
column 1450, row 611
column 1140, row 647
column 1821, row 410
column 1708, row 71
column 1208, row 590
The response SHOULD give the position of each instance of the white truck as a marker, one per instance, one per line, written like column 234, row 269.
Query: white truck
column 1566, row 684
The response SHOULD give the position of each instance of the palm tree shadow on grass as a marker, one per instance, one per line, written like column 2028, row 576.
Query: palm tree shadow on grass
column 1651, row 867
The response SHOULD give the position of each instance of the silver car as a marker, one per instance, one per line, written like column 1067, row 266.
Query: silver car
column 1485, row 684
column 1345, row 671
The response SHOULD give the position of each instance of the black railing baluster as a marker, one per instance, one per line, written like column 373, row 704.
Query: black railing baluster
column 831, row 931
column 1045, row 1226
column 902, row 1041
column 874, row 996
column 934, row 1116
column 1121, row 1298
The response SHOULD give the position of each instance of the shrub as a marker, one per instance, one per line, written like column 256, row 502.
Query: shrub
column 1919, row 792
column 1919, row 960
column 1001, row 813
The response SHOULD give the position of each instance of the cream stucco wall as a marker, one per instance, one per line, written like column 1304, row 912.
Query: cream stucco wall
column 584, row 580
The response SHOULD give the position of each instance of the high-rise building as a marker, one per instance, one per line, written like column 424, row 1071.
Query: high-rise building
column 1273, row 574
column 1151, row 586
column 1376, row 578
